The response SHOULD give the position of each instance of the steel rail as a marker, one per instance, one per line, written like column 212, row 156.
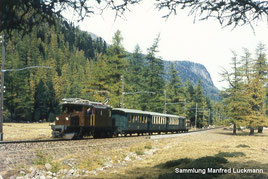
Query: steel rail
column 59, row 140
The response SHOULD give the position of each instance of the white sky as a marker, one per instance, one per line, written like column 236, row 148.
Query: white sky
column 204, row 42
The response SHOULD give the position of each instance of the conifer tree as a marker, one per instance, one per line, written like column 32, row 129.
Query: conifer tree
column 235, row 101
column 134, row 79
column 41, row 105
column 175, row 92
column 116, row 64
column 256, row 92
column 154, row 79
column 199, row 99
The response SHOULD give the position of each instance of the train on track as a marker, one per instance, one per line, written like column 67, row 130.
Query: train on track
column 81, row 118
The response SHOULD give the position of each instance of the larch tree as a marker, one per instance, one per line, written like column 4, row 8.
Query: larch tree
column 175, row 92
column 234, row 96
column 200, row 100
column 134, row 79
column 256, row 91
column 117, row 63
column 154, row 79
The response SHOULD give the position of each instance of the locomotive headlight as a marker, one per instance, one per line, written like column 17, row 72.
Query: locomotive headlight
column 67, row 118
column 57, row 118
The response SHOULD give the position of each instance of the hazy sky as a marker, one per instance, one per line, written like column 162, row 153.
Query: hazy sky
column 204, row 42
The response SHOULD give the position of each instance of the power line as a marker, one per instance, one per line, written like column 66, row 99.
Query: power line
column 25, row 68
column 3, row 70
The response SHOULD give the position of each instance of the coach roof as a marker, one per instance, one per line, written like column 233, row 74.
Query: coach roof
column 134, row 111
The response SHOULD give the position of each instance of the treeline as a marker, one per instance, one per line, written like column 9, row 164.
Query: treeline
column 88, row 68
column 245, row 100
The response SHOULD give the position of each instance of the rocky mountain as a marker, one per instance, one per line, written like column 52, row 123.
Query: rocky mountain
column 195, row 72
column 189, row 70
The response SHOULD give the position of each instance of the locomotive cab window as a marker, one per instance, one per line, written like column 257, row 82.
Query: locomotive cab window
column 71, row 108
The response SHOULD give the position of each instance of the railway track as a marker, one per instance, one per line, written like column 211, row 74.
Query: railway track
column 59, row 140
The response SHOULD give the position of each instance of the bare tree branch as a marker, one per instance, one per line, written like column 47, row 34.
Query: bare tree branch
column 22, row 15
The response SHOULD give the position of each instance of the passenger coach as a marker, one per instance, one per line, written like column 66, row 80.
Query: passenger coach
column 129, row 121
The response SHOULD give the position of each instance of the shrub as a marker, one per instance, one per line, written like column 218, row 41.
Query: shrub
column 148, row 146
column 55, row 167
column 41, row 158
column 139, row 151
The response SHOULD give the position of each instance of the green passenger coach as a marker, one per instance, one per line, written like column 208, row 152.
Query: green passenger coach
column 129, row 121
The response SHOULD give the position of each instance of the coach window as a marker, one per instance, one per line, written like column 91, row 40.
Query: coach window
column 129, row 118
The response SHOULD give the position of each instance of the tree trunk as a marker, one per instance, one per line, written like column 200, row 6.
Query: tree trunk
column 251, row 131
column 260, row 128
column 234, row 129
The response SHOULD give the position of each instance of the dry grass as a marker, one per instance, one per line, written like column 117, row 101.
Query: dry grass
column 241, row 151
column 26, row 131
column 194, row 147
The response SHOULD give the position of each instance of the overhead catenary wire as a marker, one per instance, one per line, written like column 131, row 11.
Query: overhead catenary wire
column 20, row 69
column 3, row 70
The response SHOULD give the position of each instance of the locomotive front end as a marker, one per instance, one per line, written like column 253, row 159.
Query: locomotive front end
column 67, row 124
column 61, row 124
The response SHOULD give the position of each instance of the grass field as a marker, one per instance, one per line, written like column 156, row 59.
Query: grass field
column 26, row 131
column 212, row 149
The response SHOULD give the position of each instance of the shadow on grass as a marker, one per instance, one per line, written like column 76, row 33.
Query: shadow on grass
column 230, row 154
column 198, row 168
column 201, row 168
column 242, row 133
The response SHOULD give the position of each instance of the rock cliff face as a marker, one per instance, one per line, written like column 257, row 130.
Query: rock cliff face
column 195, row 72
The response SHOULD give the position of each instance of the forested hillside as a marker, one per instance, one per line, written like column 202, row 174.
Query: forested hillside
column 86, row 67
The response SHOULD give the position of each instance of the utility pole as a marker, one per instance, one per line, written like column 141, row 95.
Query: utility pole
column 209, row 117
column 2, row 89
column 184, row 107
column 165, row 105
column 195, row 116
column 122, row 97
column 203, row 116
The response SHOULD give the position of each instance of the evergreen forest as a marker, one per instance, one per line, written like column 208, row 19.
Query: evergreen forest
column 84, row 67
